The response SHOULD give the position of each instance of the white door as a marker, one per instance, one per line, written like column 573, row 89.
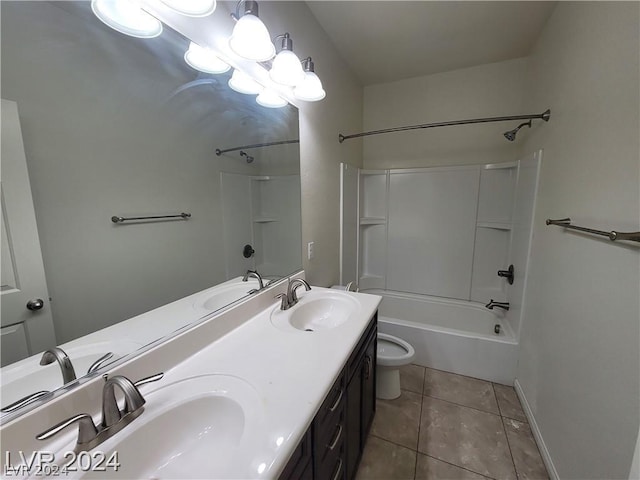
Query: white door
column 26, row 320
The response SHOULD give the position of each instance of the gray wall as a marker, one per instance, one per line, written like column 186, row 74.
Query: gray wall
column 490, row 90
column 579, row 364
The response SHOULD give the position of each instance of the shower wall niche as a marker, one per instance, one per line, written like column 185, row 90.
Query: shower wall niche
column 445, row 231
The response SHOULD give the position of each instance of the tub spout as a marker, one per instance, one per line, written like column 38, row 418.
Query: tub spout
column 492, row 304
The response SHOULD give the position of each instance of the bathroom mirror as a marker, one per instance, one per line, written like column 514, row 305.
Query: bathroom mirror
column 119, row 126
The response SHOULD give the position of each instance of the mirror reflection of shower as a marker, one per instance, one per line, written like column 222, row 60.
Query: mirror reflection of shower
column 248, row 157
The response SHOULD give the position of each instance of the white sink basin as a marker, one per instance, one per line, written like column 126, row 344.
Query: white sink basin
column 221, row 296
column 317, row 311
column 194, row 428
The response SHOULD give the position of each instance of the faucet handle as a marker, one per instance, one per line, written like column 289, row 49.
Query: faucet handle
column 25, row 401
column 99, row 362
column 87, row 431
column 150, row 379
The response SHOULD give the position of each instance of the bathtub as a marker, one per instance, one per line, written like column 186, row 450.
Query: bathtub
column 451, row 335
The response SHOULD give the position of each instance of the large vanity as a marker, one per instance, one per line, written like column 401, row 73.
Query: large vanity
column 252, row 391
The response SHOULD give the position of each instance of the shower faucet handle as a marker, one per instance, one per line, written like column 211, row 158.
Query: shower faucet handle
column 508, row 274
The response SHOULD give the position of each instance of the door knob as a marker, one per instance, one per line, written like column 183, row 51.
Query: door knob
column 36, row 304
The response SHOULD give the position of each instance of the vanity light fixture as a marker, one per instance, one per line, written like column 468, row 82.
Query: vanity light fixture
column 270, row 99
column 286, row 68
column 204, row 60
column 243, row 83
column 126, row 16
column 192, row 8
column 310, row 89
column 250, row 38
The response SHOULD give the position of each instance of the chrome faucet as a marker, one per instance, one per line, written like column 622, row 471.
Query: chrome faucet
column 290, row 298
column 255, row 274
column 58, row 355
column 113, row 420
column 133, row 400
column 492, row 303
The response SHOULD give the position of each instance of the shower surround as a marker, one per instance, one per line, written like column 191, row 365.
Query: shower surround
column 431, row 241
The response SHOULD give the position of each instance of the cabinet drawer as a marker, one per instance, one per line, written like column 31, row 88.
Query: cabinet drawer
column 333, row 466
column 333, row 405
column 330, row 439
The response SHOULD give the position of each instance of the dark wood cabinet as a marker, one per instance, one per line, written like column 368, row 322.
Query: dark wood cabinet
column 332, row 448
column 361, row 396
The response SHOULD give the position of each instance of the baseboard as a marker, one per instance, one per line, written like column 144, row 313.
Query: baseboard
column 544, row 452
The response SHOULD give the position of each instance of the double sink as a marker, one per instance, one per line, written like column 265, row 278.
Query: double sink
column 208, row 424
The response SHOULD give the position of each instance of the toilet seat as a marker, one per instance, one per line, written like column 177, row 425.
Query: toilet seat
column 393, row 351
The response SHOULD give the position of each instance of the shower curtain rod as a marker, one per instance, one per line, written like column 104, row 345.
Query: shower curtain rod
column 544, row 116
column 257, row 145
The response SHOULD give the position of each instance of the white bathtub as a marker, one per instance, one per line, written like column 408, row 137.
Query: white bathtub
column 451, row 335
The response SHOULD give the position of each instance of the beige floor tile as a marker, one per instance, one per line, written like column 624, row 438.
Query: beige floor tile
column 524, row 450
column 398, row 420
column 412, row 378
column 386, row 461
column 465, row 437
column 509, row 402
column 429, row 468
column 467, row 391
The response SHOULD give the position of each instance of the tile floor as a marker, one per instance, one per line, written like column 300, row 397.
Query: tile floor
column 447, row 426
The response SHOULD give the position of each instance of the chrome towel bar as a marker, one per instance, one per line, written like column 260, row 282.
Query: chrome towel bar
column 182, row 215
column 613, row 235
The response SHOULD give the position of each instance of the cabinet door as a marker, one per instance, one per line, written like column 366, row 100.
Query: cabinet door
column 354, row 423
column 369, row 387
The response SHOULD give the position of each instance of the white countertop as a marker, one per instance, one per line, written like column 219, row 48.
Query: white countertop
column 292, row 371
column 287, row 373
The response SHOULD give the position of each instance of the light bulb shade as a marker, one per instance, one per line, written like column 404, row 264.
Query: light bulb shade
column 192, row 8
column 310, row 89
column 127, row 17
column 204, row 60
column 243, row 83
column 250, row 39
column 286, row 69
column 270, row 99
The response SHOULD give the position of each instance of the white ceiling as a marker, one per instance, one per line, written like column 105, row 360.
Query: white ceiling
column 384, row 41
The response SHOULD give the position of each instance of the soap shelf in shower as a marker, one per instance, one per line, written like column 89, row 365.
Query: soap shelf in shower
column 373, row 220
column 494, row 225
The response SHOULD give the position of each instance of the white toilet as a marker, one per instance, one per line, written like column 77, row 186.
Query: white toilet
column 393, row 352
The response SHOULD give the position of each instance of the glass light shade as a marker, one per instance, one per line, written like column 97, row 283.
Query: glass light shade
column 310, row 90
column 286, row 69
column 243, row 83
column 204, row 60
column 250, row 39
column 127, row 17
column 270, row 99
column 192, row 8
